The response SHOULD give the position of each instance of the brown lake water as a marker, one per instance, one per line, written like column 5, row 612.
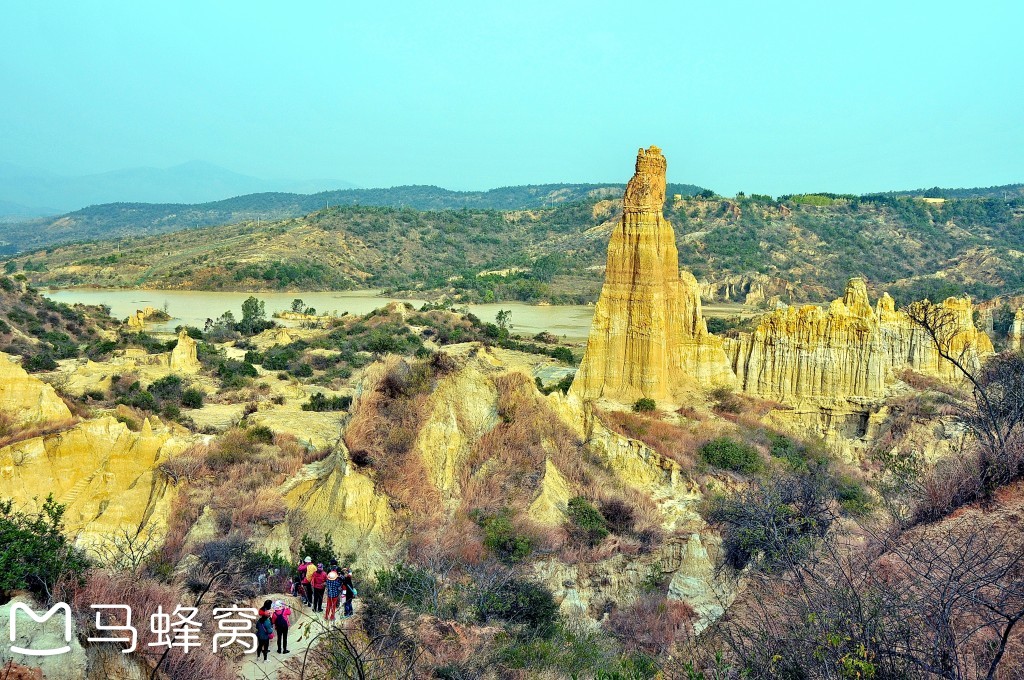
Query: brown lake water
column 193, row 308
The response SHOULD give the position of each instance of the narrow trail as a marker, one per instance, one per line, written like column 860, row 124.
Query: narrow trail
column 305, row 626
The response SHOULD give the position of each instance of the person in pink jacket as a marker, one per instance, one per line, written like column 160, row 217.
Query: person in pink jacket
column 282, row 622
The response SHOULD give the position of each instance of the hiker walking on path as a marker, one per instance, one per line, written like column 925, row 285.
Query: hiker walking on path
column 349, row 591
column 282, row 614
column 264, row 631
column 318, row 581
column 334, row 591
column 307, row 569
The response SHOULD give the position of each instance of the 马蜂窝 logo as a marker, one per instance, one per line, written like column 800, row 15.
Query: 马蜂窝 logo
column 59, row 607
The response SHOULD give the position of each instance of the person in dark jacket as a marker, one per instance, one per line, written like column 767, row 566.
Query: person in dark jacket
column 349, row 591
column 264, row 631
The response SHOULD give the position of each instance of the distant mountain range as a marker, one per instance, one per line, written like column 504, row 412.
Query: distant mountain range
column 141, row 219
column 25, row 192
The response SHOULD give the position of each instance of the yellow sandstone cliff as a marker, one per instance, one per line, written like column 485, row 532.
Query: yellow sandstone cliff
column 105, row 474
column 1017, row 330
column 26, row 400
column 810, row 351
column 648, row 337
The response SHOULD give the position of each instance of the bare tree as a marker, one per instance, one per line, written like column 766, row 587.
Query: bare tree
column 128, row 549
column 995, row 412
column 380, row 650
column 942, row 601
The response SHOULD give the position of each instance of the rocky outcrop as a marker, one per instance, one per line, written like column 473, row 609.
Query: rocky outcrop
column 832, row 367
column 648, row 337
column 105, row 474
column 184, row 357
column 26, row 400
column 1016, row 334
column 850, row 349
column 332, row 497
column 137, row 321
column 811, row 351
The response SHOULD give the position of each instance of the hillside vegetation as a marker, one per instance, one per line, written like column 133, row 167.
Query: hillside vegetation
column 801, row 247
column 111, row 220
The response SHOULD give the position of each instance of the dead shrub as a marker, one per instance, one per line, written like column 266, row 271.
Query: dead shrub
column 383, row 430
column 186, row 467
column 266, row 507
column 653, row 624
column 144, row 597
column 673, row 442
column 231, row 448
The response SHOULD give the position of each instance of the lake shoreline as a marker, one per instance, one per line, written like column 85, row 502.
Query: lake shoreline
column 193, row 308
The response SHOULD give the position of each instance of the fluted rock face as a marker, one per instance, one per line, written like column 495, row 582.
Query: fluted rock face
column 24, row 399
column 813, row 352
column 917, row 349
column 648, row 337
column 105, row 475
column 1017, row 330
column 848, row 350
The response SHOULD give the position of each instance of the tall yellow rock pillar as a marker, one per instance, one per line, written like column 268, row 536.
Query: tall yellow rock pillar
column 648, row 337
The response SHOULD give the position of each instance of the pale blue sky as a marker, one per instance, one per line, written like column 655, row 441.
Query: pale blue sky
column 770, row 97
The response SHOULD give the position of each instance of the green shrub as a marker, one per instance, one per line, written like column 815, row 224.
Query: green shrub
column 728, row 454
column 501, row 538
column 168, row 388
column 797, row 455
column 277, row 357
column 563, row 354
column 319, row 402
column 644, row 404
column 519, row 601
column 39, row 362
column 192, row 398
column 774, row 523
column 36, row 554
column 138, row 398
column 414, row 587
column 586, row 522
column 322, row 553
column 261, row 434
column 853, row 498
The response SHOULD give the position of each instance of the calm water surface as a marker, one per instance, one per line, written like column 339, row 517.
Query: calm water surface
column 193, row 308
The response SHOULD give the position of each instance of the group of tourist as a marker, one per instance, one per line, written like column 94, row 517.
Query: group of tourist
column 312, row 583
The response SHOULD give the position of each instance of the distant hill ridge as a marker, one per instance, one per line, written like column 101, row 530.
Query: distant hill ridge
column 111, row 220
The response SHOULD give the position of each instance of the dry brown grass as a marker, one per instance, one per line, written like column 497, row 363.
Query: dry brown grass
column 383, row 430
column 507, row 464
column 144, row 597
column 235, row 478
column 672, row 441
column 17, row 434
column 925, row 383
column 653, row 624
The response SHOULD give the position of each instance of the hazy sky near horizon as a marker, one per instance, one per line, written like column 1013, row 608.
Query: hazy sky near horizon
column 754, row 96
